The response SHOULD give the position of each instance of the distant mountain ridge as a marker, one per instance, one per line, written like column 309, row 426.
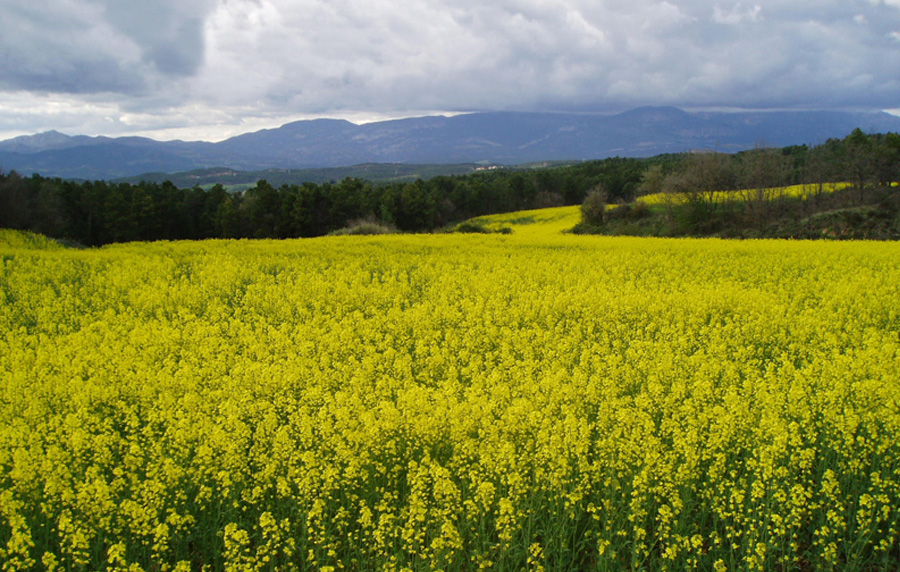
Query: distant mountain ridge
column 495, row 137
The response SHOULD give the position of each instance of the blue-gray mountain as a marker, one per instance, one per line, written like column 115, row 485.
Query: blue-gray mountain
column 504, row 137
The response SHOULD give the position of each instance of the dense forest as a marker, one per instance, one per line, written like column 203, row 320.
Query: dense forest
column 97, row 212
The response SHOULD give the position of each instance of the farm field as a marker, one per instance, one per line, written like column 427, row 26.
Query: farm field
column 531, row 401
column 770, row 193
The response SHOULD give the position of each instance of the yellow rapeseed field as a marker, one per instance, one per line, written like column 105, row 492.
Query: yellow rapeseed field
column 533, row 401
column 803, row 191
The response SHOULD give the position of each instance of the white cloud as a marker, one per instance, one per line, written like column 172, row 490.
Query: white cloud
column 737, row 14
column 196, row 66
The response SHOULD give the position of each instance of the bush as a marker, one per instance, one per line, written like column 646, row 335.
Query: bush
column 471, row 226
column 365, row 226
column 640, row 210
column 618, row 212
column 478, row 227
column 593, row 210
column 628, row 211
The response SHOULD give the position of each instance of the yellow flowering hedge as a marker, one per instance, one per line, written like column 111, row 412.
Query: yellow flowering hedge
column 450, row 402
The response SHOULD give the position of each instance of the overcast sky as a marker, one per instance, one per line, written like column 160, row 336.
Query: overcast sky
column 209, row 69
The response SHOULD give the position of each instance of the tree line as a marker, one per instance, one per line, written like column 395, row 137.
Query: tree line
column 861, row 159
column 692, row 185
column 100, row 212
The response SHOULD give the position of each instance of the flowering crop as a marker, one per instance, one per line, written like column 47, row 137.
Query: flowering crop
column 804, row 191
column 451, row 402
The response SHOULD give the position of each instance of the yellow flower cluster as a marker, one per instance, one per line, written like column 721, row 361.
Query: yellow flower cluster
column 456, row 402
column 803, row 191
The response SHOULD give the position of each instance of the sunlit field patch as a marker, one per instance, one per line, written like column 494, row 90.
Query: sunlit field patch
column 541, row 223
column 793, row 191
column 533, row 400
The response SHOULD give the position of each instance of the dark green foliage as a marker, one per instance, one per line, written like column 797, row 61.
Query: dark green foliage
column 593, row 209
column 841, row 218
column 628, row 211
column 478, row 227
column 472, row 227
column 99, row 212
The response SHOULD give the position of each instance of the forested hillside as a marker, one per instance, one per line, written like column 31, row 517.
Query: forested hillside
column 99, row 212
column 506, row 138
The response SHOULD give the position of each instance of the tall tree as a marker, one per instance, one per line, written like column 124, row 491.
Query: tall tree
column 859, row 160
column 762, row 176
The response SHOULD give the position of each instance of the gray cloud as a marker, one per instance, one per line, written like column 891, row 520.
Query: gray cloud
column 169, row 32
column 62, row 48
column 518, row 54
column 96, row 46
column 234, row 59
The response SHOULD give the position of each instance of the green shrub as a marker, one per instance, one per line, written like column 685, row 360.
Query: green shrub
column 593, row 209
column 365, row 226
column 472, row 226
column 640, row 210
column 479, row 227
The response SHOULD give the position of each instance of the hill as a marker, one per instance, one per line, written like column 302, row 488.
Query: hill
column 240, row 180
column 506, row 138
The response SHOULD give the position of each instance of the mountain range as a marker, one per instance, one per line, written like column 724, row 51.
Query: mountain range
column 506, row 138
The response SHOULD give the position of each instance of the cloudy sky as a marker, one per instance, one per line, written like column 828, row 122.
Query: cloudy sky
column 209, row 69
